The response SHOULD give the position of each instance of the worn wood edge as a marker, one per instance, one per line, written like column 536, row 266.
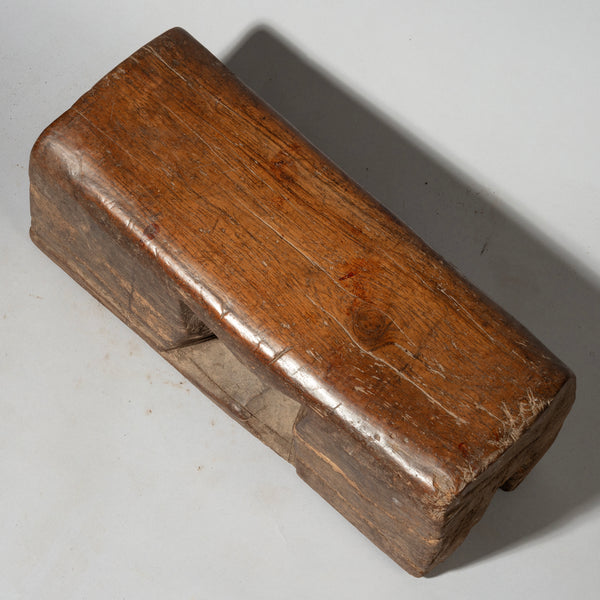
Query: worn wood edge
column 507, row 472
column 439, row 534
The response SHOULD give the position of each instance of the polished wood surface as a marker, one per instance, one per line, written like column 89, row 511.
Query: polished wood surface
column 305, row 309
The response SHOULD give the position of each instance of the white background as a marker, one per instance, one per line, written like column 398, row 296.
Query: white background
column 478, row 123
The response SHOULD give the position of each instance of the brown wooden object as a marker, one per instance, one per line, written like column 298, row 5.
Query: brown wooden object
column 302, row 307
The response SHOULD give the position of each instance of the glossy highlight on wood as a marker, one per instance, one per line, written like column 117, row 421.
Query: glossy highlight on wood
column 299, row 304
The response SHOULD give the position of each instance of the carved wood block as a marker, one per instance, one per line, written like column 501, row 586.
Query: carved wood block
column 301, row 306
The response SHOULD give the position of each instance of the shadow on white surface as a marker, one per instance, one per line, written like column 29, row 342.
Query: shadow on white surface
column 528, row 275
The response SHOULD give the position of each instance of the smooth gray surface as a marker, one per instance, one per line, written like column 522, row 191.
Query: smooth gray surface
column 476, row 124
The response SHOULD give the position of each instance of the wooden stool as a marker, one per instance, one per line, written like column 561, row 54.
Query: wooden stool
column 300, row 305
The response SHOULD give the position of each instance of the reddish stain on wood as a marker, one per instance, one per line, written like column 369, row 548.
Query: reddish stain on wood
column 347, row 276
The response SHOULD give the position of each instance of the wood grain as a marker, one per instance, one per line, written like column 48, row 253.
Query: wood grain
column 190, row 209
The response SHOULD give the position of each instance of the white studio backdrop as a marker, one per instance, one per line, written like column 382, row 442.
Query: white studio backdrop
column 477, row 123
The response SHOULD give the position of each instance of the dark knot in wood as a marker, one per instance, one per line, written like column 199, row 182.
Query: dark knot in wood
column 370, row 325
